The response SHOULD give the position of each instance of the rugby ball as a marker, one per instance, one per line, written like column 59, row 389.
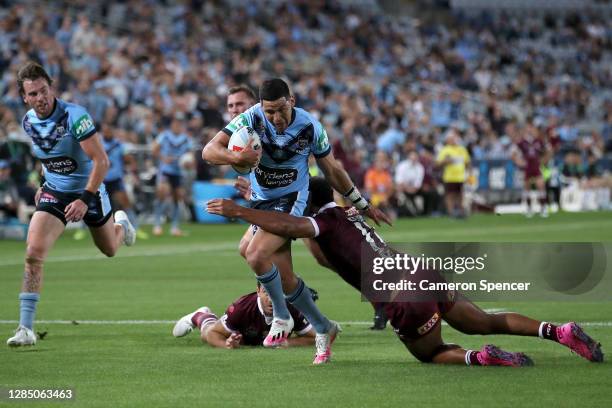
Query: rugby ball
column 239, row 139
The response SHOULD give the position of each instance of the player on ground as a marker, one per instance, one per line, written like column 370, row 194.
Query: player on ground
column 245, row 322
column 280, row 182
column 169, row 147
column 65, row 140
column 342, row 234
column 529, row 153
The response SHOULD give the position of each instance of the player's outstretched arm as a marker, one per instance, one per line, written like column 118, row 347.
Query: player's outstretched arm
column 218, row 336
column 336, row 176
column 340, row 181
column 281, row 224
column 306, row 339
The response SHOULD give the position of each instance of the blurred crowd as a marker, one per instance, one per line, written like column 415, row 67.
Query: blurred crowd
column 388, row 88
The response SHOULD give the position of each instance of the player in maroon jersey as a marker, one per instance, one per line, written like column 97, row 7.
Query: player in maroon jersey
column 342, row 235
column 529, row 153
column 245, row 322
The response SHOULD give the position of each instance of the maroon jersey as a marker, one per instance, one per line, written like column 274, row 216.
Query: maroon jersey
column 347, row 240
column 246, row 317
column 343, row 234
column 533, row 152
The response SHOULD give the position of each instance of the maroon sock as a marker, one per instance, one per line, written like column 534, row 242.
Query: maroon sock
column 200, row 317
column 472, row 357
column 548, row 331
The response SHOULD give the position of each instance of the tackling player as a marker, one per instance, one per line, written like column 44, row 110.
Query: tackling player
column 245, row 322
column 280, row 182
column 64, row 139
column 342, row 235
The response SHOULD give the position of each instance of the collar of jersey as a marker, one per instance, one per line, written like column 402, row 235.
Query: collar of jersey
column 326, row 206
column 293, row 115
column 260, row 307
column 55, row 107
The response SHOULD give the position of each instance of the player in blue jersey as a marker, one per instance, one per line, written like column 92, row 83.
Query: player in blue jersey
column 169, row 147
column 119, row 160
column 279, row 182
column 64, row 139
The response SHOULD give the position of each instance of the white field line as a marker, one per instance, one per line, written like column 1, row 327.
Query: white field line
column 134, row 252
column 230, row 247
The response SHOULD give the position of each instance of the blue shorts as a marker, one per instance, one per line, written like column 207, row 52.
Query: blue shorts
column 114, row 186
column 175, row 180
column 292, row 203
column 55, row 202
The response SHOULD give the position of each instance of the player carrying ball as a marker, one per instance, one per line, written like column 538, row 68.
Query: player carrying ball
column 289, row 135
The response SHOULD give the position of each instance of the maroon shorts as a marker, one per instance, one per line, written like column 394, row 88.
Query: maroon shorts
column 411, row 320
column 456, row 188
column 532, row 173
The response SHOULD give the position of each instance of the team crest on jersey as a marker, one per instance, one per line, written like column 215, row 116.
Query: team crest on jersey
column 302, row 143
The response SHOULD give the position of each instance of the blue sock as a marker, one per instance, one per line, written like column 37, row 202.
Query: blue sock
column 271, row 281
column 176, row 215
column 301, row 298
column 161, row 208
column 27, row 308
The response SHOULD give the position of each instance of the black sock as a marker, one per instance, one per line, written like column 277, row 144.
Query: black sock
column 548, row 331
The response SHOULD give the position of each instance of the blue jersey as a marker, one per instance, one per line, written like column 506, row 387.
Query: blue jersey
column 283, row 168
column 114, row 151
column 56, row 142
column 173, row 146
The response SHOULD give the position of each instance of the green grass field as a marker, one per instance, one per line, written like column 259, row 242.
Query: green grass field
column 159, row 280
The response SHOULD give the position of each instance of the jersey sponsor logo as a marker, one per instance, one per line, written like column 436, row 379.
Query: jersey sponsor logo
column 323, row 142
column 60, row 165
column 238, row 122
column 429, row 325
column 82, row 126
column 274, row 178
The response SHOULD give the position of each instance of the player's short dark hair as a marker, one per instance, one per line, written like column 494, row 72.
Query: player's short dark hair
column 321, row 192
column 31, row 72
column 242, row 88
column 273, row 89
